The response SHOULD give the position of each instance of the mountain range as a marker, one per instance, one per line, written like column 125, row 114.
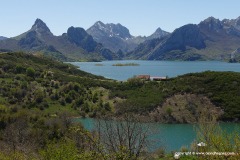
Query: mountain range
column 74, row 45
column 117, row 37
column 211, row 39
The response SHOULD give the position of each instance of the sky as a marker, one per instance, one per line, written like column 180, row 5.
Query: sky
column 141, row 17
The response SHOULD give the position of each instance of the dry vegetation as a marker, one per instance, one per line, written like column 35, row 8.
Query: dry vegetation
column 185, row 108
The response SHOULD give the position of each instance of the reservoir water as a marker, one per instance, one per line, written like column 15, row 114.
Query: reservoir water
column 153, row 68
column 170, row 136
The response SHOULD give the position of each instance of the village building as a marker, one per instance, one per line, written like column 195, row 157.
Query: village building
column 144, row 77
column 152, row 78
column 158, row 78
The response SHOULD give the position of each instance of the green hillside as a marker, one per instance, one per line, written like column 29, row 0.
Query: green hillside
column 220, row 88
column 35, row 82
column 30, row 82
column 39, row 97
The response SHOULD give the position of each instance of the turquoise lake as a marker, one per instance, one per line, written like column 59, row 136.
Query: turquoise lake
column 153, row 68
column 170, row 136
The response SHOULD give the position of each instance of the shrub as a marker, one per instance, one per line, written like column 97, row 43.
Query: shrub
column 30, row 72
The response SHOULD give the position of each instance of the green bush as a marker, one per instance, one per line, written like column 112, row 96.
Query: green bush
column 64, row 150
column 30, row 72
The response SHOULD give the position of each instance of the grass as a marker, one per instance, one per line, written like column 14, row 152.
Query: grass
column 56, row 108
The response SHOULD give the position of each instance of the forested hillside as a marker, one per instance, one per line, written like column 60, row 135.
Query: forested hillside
column 39, row 97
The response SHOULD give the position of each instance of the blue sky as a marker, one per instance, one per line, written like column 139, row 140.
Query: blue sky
column 141, row 17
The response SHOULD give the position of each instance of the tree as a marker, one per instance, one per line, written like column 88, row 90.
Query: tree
column 95, row 98
column 39, row 95
column 30, row 72
column 64, row 150
column 126, row 138
column 216, row 139
column 20, row 69
column 17, row 135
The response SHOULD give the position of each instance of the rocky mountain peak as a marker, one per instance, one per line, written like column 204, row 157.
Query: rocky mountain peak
column 81, row 38
column 158, row 29
column 99, row 25
column 233, row 22
column 187, row 35
column 40, row 27
column 109, row 30
column 237, row 21
column 98, row 30
column 159, row 33
column 119, row 30
column 76, row 34
column 212, row 24
column 232, row 26
column 75, row 29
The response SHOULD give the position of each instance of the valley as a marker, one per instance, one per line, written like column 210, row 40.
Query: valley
column 122, row 80
column 40, row 96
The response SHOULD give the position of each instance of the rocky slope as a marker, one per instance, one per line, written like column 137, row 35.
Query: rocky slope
column 2, row 38
column 117, row 37
column 211, row 39
column 159, row 33
column 76, row 44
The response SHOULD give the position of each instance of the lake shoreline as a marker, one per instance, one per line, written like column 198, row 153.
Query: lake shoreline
column 154, row 68
column 146, row 119
column 173, row 136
